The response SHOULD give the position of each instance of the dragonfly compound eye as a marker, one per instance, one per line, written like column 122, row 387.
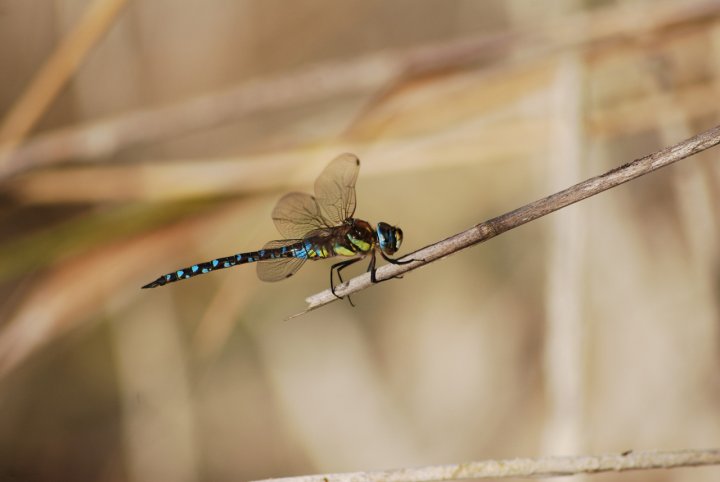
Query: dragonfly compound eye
column 389, row 238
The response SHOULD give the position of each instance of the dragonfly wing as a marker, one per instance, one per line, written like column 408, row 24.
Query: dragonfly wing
column 335, row 188
column 296, row 214
column 279, row 268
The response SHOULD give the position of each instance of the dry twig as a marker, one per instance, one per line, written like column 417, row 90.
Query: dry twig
column 529, row 212
column 538, row 467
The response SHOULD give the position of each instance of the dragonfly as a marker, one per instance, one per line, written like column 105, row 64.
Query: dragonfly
column 314, row 227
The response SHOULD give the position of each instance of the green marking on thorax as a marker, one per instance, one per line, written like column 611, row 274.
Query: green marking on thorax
column 361, row 244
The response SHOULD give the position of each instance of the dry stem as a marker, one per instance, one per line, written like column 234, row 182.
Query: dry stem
column 529, row 212
column 538, row 467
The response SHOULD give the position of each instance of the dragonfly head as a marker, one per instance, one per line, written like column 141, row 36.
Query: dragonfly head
column 389, row 238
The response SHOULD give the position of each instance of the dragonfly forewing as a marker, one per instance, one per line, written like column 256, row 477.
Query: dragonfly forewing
column 298, row 213
column 335, row 188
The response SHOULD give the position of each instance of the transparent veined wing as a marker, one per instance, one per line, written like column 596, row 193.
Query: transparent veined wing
column 279, row 268
column 298, row 213
column 335, row 188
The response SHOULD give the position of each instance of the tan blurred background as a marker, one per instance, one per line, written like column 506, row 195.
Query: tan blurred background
column 592, row 330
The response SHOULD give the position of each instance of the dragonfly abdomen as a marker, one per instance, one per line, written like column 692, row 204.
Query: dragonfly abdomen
column 298, row 250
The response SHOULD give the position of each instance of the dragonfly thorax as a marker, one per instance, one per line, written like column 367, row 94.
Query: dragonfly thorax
column 361, row 235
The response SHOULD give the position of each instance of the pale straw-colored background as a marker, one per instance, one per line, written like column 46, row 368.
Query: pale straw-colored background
column 162, row 135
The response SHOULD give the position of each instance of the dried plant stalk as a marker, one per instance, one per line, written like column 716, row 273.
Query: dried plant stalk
column 498, row 225
column 530, row 468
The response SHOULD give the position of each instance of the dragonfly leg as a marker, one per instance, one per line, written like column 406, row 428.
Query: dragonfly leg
column 371, row 268
column 339, row 267
column 396, row 261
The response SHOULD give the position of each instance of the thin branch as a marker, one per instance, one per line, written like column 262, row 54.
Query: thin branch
column 537, row 467
column 498, row 225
